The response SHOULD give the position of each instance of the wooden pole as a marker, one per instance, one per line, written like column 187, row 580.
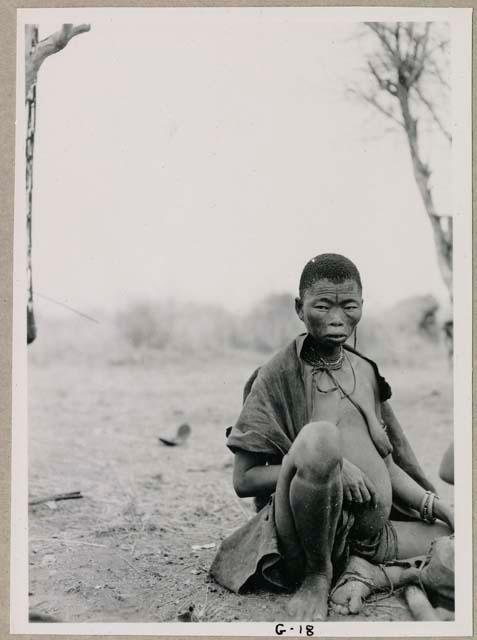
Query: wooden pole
column 31, row 42
column 36, row 52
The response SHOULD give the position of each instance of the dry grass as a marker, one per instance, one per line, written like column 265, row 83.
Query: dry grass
column 124, row 552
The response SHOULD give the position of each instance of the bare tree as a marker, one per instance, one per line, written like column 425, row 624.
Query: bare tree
column 36, row 53
column 406, row 81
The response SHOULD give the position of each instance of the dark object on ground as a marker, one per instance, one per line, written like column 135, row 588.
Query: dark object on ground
column 72, row 495
column 183, row 432
column 37, row 616
column 187, row 615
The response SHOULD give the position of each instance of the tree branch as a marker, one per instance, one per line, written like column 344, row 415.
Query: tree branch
column 50, row 45
column 433, row 113
column 385, row 85
column 379, row 29
column 419, row 66
column 397, row 37
column 434, row 70
column 372, row 100
column 409, row 29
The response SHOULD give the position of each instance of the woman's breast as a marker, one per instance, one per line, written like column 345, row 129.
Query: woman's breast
column 358, row 447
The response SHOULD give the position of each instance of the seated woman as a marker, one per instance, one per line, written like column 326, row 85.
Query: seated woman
column 318, row 442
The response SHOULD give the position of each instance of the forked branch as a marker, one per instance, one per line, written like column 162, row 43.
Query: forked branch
column 50, row 45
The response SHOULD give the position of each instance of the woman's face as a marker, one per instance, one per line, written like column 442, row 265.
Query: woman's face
column 330, row 310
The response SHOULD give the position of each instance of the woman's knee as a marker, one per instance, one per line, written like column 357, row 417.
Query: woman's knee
column 317, row 448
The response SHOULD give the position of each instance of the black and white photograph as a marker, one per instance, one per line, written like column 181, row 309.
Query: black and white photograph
column 242, row 398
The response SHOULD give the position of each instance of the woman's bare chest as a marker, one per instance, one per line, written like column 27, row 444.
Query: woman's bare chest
column 343, row 396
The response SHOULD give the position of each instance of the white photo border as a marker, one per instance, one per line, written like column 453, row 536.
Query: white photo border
column 461, row 29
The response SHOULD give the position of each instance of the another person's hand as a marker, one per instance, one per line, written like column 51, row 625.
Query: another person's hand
column 357, row 487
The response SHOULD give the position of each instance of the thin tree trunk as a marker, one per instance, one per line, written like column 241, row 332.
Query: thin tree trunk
column 36, row 53
column 31, row 42
column 441, row 225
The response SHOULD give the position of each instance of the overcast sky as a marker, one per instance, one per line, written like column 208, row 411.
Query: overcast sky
column 207, row 155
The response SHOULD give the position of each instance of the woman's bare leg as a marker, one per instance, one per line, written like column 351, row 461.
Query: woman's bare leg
column 350, row 596
column 414, row 538
column 308, row 504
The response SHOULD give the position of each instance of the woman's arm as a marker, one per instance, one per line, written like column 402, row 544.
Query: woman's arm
column 252, row 476
column 402, row 452
column 407, row 491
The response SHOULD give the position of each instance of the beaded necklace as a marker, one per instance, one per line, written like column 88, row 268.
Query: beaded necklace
column 312, row 357
column 338, row 385
column 319, row 365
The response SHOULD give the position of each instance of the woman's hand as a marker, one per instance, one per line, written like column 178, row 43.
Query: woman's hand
column 357, row 487
column 445, row 512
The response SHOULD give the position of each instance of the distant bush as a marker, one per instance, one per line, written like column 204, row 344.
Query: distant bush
column 71, row 338
column 175, row 325
column 404, row 334
column 269, row 326
column 145, row 326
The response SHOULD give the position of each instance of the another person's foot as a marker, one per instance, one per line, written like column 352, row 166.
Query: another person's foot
column 358, row 581
column 310, row 602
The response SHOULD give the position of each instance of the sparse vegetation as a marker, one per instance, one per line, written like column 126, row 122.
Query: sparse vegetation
column 127, row 552
column 404, row 333
column 142, row 331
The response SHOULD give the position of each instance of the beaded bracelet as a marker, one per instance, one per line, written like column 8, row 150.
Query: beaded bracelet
column 427, row 507
column 434, row 498
column 423, row 501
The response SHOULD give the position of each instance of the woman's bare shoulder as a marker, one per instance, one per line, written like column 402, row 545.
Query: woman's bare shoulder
column 369, row 369
column 362, row 365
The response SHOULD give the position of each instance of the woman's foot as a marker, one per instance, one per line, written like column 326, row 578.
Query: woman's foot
column 359, row 580
column 310, row 602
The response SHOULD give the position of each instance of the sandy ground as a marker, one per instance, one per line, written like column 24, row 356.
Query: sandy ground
column 125, row 552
